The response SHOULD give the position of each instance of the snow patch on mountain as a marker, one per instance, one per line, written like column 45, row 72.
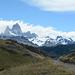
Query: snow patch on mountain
column 38, row 40
column 13, row 34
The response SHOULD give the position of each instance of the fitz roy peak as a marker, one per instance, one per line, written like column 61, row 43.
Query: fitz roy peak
column 29, row 38
column 15, row 31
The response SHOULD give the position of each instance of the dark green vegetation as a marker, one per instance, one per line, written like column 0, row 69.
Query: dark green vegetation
column 70, row 58
column 20, row 59
column 57, row 51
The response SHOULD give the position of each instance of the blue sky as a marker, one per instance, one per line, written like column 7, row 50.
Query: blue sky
column 22, row 10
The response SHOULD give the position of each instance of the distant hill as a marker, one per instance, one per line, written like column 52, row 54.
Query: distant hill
column 57, row 51
column 20, row 39
column 70, row 58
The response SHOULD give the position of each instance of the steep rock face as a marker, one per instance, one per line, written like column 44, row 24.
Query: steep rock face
column 50, row 42
column 16, row 29
column 29, row 35
column 61, row 40
column 7, row 31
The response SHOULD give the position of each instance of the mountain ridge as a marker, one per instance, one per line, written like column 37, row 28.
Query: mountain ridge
column 34, row 38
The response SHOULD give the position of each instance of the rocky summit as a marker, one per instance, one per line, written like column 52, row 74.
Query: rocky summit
column 15, row 31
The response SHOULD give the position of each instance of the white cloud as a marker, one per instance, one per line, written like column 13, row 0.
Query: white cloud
column 39, row 30
column 4, row 24
column 53, row 5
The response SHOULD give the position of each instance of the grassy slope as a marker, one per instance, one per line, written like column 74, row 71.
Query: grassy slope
column 13, row 54
column 70, row 58
column 44, row 67
column 19, row 59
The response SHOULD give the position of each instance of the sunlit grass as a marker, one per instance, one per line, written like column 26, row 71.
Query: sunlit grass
column 44, row 67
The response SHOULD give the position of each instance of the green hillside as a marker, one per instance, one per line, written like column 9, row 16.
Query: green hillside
column 70, row 58
column 20, row 59
column 13, row 54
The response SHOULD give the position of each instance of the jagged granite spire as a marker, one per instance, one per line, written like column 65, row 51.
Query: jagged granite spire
column 7, row 31
column 16, row 29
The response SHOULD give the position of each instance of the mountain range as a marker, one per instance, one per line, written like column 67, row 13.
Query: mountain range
column 15, row 33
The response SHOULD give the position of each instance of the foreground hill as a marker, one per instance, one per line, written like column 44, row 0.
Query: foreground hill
column 57, row 51
column 20, row 59
column 44, row 67
column 14, row 54
column 70, row 58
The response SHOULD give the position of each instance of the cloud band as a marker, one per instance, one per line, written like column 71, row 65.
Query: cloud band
column 53, row 5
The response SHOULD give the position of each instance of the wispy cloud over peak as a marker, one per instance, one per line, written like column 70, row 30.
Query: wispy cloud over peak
column 53, row 5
